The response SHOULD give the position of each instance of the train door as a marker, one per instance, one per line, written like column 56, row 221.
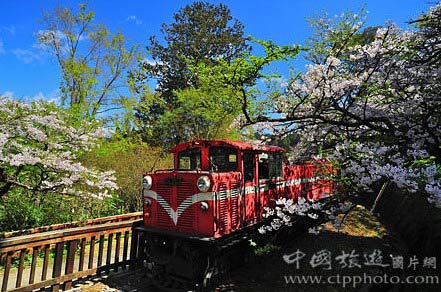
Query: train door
column 250, row 194
column 262, row 181
column 270, row 175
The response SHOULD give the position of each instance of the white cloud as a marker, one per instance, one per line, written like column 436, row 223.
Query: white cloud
column 8, row 94
column 27, row 56
column 48, row 37
column 2, row 48
column 53, row 96
column 135, row 19
column 9, row 29
column 38, row 96
column 151, row 62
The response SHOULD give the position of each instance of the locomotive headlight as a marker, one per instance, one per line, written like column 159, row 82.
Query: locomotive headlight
column 204, row 206
column 147, row 182
column 147, row 201
column 203, row 183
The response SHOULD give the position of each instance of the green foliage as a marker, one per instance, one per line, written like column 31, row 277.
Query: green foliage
column 202, row 33
column 18, row 212
column 240, row 77
column 286, row 141
column 211, row 108
column 204, row 112
column 21, row 210
column 93, row 61
column 261, row 249
column 130, row 158
column 267, row 249
column 332, row 34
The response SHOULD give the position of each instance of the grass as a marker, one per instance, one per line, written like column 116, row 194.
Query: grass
column 359, row 222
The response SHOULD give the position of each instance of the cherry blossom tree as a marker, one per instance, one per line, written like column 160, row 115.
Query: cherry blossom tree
column 39, row 150
column 372, row 105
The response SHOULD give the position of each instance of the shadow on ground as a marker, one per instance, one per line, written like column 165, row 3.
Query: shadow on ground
column 361, row 251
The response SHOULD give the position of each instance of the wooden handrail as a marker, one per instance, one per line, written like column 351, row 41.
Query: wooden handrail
column 104, row 244
column 108, row 219
column 30, row 241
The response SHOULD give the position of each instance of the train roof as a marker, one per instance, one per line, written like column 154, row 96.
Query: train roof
column 227, row 143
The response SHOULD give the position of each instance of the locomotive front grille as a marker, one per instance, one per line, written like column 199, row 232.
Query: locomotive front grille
column 186, row 219
column 223, row 206
column 229, row 213
column 235, row 192
column 164, row 218
column 173, row 204
column 166, row 193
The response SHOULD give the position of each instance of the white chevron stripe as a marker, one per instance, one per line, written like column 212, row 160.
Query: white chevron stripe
column 208, row 196
column 174, row 215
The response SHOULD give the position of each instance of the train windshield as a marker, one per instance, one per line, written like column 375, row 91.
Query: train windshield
column 223, row 159
column 190, row 159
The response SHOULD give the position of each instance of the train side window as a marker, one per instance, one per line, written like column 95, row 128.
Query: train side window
column 270, row 166
column 263, row 166
column 275, row 165
column 189, row 159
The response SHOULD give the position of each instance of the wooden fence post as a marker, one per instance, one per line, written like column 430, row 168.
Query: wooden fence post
column 56, row 272
column 134, row 249
column 117, row 248
column 7, row 270
column 33, row 265
column 109, row 252
column 125, row 249
column 20, row 268
column 71, row 249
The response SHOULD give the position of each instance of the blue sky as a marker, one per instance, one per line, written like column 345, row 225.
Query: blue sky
column 27, row 72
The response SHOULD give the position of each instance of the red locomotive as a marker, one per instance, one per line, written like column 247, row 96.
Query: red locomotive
column 213, row 197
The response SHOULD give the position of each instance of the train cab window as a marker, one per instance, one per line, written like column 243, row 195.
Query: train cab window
column 270, row 165
column 223, row 159
column 190, row 159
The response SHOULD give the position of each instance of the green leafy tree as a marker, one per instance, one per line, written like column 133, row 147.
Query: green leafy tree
column 241, row 78
column 224, row 98
column 201, row 33
column 130, row 158
column 204, row 113
column 93, row 61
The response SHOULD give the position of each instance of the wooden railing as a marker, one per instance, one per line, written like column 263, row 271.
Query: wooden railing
column 56, row 258
column 90, row 222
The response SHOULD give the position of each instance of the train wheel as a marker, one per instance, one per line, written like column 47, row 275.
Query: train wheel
column 216, row 272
